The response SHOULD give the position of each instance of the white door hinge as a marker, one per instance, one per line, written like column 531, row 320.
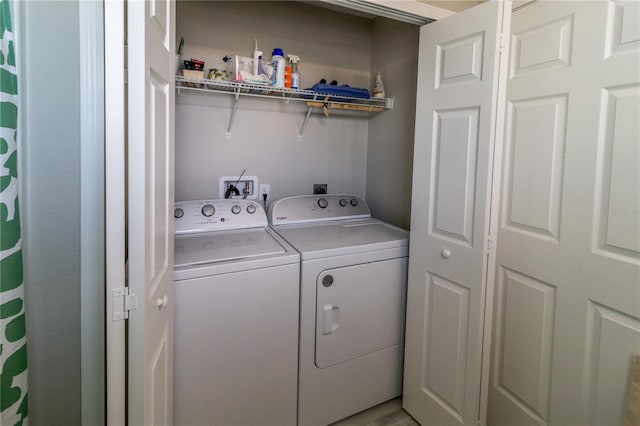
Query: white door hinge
column 122, row 303
column 491, row 246
column 503, row 42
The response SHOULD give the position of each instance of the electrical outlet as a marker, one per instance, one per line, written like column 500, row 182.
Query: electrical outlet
column 265, row 189
column 319, row 188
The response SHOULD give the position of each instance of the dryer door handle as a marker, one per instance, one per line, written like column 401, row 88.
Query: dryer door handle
column 331, row 318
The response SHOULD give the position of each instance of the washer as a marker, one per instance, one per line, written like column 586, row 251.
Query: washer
column 353, row 282
column 236, row 317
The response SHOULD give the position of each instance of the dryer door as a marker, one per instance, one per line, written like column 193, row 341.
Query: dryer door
column 360, row 309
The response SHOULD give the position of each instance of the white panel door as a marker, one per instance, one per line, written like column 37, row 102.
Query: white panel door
column 151, row 36
column 567, row 311
column 456, row 113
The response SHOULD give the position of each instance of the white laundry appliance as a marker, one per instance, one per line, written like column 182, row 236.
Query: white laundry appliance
column 352, row 304
column 236, row 317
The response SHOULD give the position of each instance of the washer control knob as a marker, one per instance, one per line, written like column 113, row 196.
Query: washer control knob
column 235, row 209
column 343, row 202
column 251, row 209
column 323, row 203
column 208, row 210
column 178, row 213
column 354, row 202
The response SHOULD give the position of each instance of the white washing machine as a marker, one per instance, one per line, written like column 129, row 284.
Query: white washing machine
column 353, row 282
column 236, row 317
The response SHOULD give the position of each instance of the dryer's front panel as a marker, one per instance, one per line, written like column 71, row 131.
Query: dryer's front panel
column 360, row 310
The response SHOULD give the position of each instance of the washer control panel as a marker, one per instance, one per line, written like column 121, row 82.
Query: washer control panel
column 217, row 215
column 317, row 208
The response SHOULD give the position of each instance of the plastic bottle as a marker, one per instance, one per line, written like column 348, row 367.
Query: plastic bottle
column 287, row 77
column 295, row 74
column 378, row 87
column 277, row 59
column 257, row 57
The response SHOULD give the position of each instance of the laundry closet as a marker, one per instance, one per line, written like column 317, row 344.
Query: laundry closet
column 510, row 153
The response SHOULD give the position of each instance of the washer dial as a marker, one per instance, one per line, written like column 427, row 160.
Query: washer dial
column 323, row 203
column 208, row 210
column 251, row 209
column 235, row 209
column 178, row 213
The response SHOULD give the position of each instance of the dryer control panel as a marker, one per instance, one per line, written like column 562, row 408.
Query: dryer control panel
column 217, row 215
column 317, row 208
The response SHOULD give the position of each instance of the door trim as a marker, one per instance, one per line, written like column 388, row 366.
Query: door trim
column 92, row 261
column 114, row 52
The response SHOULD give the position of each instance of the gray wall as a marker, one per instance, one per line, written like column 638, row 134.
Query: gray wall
column 50, row 206
column 264, row 138
column 390, row 144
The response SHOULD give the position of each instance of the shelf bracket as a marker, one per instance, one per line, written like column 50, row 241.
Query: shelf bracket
column 233, row 113
column 304, row 123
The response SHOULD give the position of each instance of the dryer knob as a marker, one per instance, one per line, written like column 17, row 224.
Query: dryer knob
column 208, row 210
column 178, row 213
column 327, row 280
column 354, row 202
column 251, row 209
column 323, row 203
column 235, row 209
column 343, row 202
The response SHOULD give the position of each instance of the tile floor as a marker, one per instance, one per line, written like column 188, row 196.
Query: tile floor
column 389, row 413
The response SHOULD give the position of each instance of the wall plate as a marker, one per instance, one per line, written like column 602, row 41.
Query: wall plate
column 249, row 183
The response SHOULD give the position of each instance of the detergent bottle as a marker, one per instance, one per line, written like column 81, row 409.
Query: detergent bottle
column 277, row 60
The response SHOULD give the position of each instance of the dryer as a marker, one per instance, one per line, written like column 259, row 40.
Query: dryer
column 236, row 317
column 353, row 282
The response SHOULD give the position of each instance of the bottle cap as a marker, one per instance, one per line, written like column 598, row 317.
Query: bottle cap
column 277, row 51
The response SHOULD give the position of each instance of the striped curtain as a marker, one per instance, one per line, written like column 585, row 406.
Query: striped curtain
column 13, row 342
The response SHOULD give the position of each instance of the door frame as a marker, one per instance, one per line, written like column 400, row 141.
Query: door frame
column 92, row 213
column 115, row 191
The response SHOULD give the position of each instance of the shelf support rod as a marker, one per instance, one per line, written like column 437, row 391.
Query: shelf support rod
column 233, row 113
column 304, row 123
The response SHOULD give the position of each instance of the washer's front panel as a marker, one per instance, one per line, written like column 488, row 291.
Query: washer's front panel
column 360, row 310
column 236, row 348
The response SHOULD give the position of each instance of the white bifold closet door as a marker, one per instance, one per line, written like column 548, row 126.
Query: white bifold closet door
column 567, row 311
column 151, row 92
column 457, row 121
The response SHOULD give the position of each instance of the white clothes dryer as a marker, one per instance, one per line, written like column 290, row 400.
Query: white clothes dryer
column 236, row 317
column 353, row 282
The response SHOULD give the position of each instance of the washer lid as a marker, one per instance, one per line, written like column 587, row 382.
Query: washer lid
column 224, row 246
column 343, row 237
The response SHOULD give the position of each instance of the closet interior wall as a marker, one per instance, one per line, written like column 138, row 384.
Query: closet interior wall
column 264, row 137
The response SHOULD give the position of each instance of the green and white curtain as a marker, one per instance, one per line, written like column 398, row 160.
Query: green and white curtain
column 13, row 342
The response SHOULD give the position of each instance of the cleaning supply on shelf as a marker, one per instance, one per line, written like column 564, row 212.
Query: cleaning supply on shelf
column 278, row 63
column 295, row 74
column 257, row 58
column 287, row 77
column 378, row 87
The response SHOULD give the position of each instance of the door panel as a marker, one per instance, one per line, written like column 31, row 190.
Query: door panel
column 456, row 145
column 456, row 113
column 359, row 310
column 568, row 301
column 151, row 36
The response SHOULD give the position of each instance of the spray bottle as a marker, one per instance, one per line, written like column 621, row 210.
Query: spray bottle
column 295, row 75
